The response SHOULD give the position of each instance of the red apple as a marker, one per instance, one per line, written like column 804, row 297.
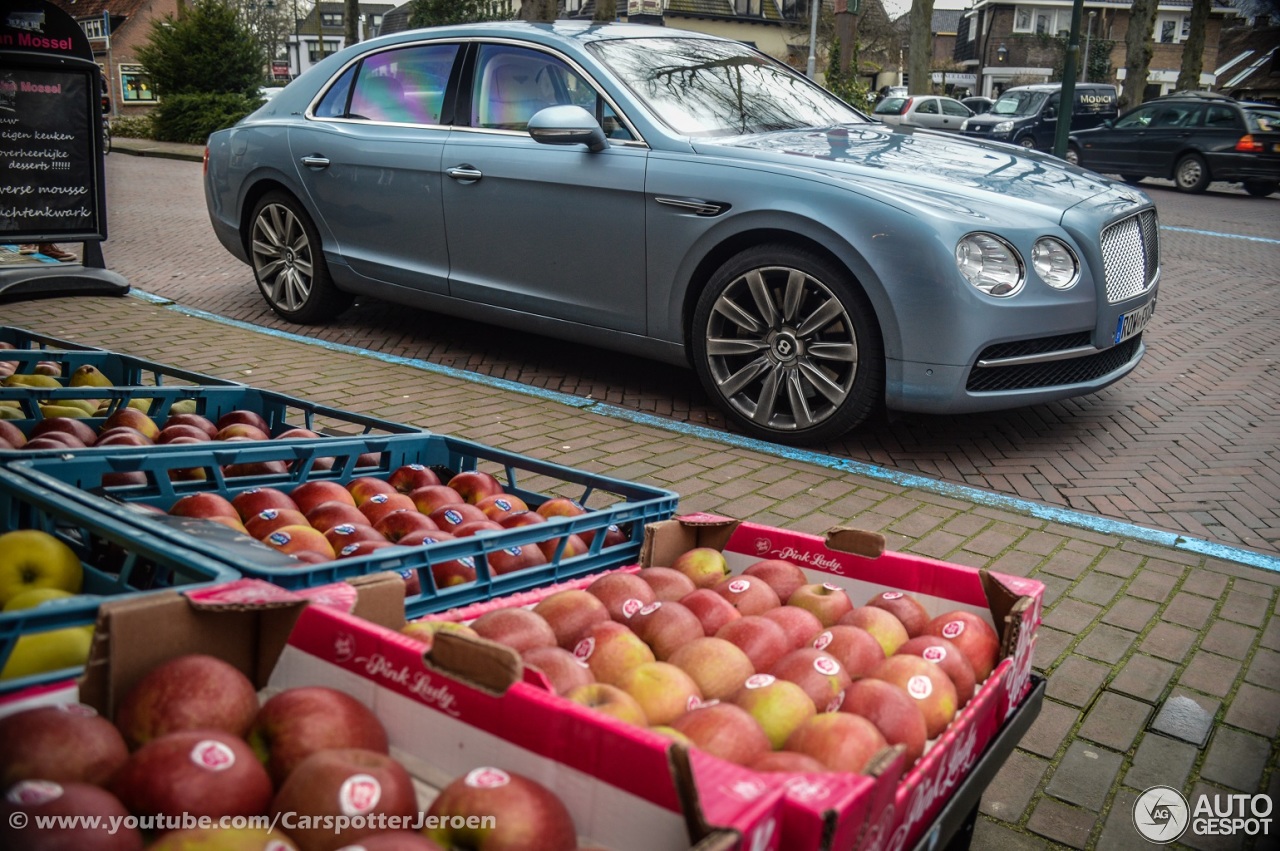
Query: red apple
column 456, row 571
column 666, row 627
column 310, row 494
column 822, row 677
column 748, row 594
column 511, row 559
column 761, row 639
column 379, row 505
column 704, row 565
column 717, row 666
column 196, row 772
column 249, row 502
column 363, row 487
column 783, row 576
column 839, row 740
column 244, row 430
column 610, row 700
column 270, row 519
column 326, row 515
column 896, row 715
column 521, row 518
column 475, row 485
column 787, row 762
column 853, row 647
column 944, row 654
column 724, row 730
column 354, row 549
column 243, row 415
column 410, row 477
column 430, row 497
column 203, row 423
column 526, row 815
column 623, row 594
column 11, row 434
column 78, row 429
column 884, row 627
column 473, row 527
column 56, row 440
column 67, row 806
column 663, row 691
column 132, row 418
column 352, row 533
column 203, row 505
column 417, row 539
column 574, row 546
column 905, row 608
column 563, row 670
column 300, row 538
column 571, row 614
column 65, row 743
column 560, row 506
column 975, row 637
column 927, row 684
column 778, row 706
column 827, row 602
column 800, row 625
column 122, row 436
column 190, row 692
column 499, row 505
column 449, row 517
column 297, row 722
column 253, row 468
column 610, row 649
column 519, row 629
column 668, row 585
column 304, row 434
column 338, row 782
column 397, row 524
column 712, row 610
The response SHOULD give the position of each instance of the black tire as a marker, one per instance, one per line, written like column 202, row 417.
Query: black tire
column 288, row 262
column 1190, row 174
column 788, row 345
column 1073, row 155
column 1131, row 178
column 1027, row 142
column 1260, row 188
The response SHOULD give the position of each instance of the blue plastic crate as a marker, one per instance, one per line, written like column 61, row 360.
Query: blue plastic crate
column 121, row 370
column 610, row 502
column 118, row 560
column 282, row 412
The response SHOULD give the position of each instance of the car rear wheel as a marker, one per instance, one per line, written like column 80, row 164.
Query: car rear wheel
column 1260, row 188
column 1191, row 174
column 288, row 263
column 788, row 344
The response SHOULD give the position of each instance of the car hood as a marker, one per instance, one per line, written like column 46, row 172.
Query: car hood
column 886, row 161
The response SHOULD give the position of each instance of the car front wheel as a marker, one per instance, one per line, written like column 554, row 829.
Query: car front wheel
column 1191, row 174
column 788, row 345
column 1027, row 142
column 288, row 263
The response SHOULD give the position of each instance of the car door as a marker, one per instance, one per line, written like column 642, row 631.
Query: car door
column 954, row 113
column 549, row 230
column 370, row 164
column 1172, row 128
column 925, row 113
column 1118, row 149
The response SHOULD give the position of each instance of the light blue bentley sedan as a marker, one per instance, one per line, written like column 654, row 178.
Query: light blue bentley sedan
column 687, row 198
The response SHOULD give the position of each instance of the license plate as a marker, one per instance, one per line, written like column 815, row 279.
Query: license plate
column 1134, row 321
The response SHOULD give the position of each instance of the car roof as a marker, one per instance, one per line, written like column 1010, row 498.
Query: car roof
column 1054, row 87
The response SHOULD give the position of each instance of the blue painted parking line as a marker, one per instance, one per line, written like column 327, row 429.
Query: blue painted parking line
column 1064, row 516
column 1265, row 239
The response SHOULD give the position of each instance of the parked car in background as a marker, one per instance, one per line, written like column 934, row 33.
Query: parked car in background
column 978, row 104
column 687, row 198
column 932, row 111
column 1191, row 138
column 1028, row 115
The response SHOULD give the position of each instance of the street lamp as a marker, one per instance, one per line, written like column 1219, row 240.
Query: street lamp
column 1084, row 75
column 1002, row 53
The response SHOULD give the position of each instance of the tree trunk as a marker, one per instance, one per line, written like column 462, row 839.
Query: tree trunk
column 606, row 11
column 351, row 20
column 538, row 10
column 1138, row 50
column 1193, row 47
column 920, row 63
column 847, row 32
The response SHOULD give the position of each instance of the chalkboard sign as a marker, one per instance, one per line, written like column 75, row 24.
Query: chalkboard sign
column 48, row 159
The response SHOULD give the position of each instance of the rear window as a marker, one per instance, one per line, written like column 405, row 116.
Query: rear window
column 1263, row 120
column 892, row 106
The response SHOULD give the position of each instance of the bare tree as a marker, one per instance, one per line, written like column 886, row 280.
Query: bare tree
column 1138, row 50
column 1193, row 47
column 920, row 70
column 538, row 10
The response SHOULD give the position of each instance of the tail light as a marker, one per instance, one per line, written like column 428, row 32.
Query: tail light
column 906, row 105
column 1249, row 145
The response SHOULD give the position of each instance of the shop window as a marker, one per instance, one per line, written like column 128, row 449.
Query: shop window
column 135, row 85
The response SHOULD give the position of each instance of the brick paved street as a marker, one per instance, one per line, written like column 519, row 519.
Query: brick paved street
column 1163, row 660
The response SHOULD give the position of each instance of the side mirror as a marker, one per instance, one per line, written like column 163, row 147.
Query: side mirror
column 1109, row 123
column 1050, row 112
column 567, row 125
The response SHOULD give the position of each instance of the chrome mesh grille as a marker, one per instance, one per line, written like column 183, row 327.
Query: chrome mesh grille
column 1131, row 255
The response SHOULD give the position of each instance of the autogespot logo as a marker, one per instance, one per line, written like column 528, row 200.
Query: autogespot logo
column 1161, row 814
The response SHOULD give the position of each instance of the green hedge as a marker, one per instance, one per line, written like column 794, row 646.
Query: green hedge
column 191, row 118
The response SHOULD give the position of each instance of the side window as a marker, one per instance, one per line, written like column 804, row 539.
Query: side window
column 513, row 83
column 928, row 106
column 1136, row 120
column 1171, row 116
column 1220, row 117
column 404, row 86
column 334, row 102
column 950, row 107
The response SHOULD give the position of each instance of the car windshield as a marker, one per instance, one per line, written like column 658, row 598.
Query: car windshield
column 1019, row 103
column 711, row 88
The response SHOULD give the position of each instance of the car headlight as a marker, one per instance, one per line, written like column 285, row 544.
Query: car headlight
column 990, row 264
column 1003, row 127
column 1055, row 263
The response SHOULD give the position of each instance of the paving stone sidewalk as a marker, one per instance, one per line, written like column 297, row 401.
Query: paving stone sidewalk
column 1163, row 664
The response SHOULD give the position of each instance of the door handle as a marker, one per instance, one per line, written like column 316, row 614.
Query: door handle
column 315, row 161
column 464, row 172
